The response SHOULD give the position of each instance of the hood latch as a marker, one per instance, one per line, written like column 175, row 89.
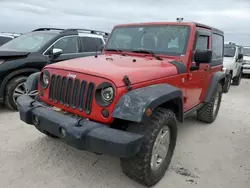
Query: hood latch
column 127, row 82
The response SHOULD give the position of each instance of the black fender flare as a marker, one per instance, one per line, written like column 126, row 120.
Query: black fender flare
column 215, row 79
column 32, row 81
column 132, row 105
column 13, row 74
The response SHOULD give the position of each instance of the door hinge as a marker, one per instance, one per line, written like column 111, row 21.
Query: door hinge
column 182, row 80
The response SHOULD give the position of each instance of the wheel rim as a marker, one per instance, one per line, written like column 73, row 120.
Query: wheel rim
column 160, row 148
column 216, row 103
column 21, row 90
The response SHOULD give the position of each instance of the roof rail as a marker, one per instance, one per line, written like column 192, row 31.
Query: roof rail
column 48, row 29
column 88, row 30
column 11, row 33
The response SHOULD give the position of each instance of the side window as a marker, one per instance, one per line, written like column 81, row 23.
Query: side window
column 68, row 45
column 91, row 44
column 217, row 46
column 202, row 42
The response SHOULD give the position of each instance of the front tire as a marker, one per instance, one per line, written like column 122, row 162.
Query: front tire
column 209, row 111
column 15, row 88
column 150, row 164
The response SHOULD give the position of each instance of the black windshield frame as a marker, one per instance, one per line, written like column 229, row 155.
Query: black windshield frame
column 185, row 41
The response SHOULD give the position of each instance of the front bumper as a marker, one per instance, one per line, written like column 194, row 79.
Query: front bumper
column 246, row 69
column 79, row 133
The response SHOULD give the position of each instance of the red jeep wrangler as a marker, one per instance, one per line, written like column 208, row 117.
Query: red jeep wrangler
column 126, row 102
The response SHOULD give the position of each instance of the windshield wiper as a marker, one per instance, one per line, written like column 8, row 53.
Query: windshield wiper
column 113, row 49
column 147, row 52
column 116, row 50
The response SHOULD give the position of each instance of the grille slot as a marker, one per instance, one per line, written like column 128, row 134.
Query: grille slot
column 89, row 98
column 75, row 94
column 81, row 95
column 51, row 88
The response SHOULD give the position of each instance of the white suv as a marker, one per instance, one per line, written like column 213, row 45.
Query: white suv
column 246, row 62
column 232, row 64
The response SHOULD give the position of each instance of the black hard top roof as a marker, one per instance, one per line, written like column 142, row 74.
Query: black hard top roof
column 209, row 27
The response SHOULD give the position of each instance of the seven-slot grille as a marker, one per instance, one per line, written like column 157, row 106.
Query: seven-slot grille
column 71, row 93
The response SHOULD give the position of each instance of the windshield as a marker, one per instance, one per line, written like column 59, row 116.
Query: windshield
column 246, row 51
column 229, row 51
column 161, row 39
column 28, row 42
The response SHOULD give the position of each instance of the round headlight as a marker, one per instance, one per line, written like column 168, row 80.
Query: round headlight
column 104, row 94
column 44, row 79
column 107, row 94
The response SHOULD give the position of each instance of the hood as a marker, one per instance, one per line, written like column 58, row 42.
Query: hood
column 115, row 67
column 247, row 59
column 12, row 54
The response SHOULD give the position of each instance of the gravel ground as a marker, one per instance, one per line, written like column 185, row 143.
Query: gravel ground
column 216, row 155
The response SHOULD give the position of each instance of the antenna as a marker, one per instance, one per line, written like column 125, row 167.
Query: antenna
column 180, row 19
column 96, row 55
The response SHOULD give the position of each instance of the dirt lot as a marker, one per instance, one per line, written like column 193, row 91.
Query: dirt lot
column 216, row 155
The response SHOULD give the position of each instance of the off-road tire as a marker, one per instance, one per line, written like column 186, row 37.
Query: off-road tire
column 237, row 79
column 138, row 167
column 206, row 113
column 227, row 85
column 9, row 90
column 46, row 133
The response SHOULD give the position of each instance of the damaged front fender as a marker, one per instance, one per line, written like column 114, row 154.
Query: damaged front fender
column 132, row 105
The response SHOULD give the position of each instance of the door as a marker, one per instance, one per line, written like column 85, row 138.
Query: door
column 196, row 78
column 69, row 46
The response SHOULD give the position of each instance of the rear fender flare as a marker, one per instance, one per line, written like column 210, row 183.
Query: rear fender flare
column 132, row 105
column 218, row 77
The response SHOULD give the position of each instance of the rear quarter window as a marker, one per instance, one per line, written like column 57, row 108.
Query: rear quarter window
column 91, row 44
column 217, row 46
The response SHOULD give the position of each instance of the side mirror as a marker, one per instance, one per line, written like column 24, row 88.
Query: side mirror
column 203, row 56
column 56, row 52
column 240, row 56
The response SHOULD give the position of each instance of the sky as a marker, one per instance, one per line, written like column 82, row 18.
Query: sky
column 231, row 16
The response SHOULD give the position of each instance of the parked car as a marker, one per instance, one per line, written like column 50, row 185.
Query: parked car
column 232, row 64
column 126, row 102
column 246, row 63
column 30, row 52
column 6, row 37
